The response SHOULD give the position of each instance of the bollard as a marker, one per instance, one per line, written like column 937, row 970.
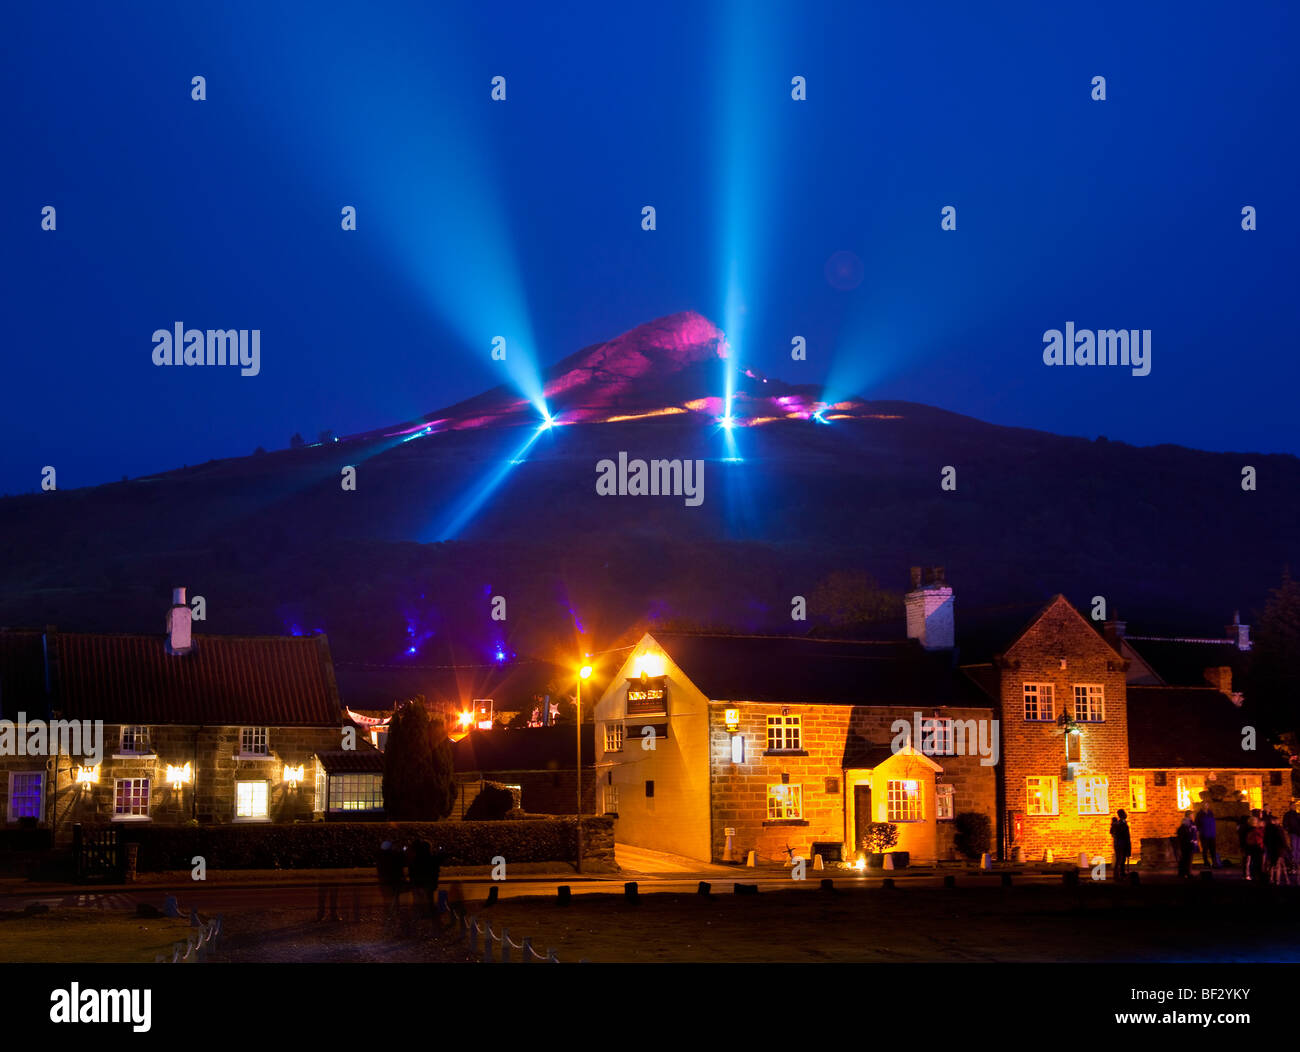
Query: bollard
column 888, row 882
column 818, row 863
column 889, row 860
column 1084, row 863
column 492, row 895
column 705, row 887
column 1206, row 874
column 828, row 884
column 1049, row 856
column 1017, row 854
column 1006, row 880
column 629, row 891
column 563, row 894
column 443, row 904
column 1070, row 877
column 745, row 889
column 751, row 859
column 1134, row 879
column 949, row 881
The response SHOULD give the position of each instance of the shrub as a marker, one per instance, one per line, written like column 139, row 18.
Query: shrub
column 492, row 804
column 974, row 833
column 880, row 837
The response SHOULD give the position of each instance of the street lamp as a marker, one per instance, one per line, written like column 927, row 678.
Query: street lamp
column 583, row 673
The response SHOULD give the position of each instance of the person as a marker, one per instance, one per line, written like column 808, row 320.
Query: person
column 1207, row 829
column 1243, row 827
column 1254, row 849
column 426, row 865
column 1123, row 840
column 1275, row 850
column 390, row 879
column 1291, row 826
column 1187, row 842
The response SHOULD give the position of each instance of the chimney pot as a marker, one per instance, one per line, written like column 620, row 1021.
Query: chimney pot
column 178, row 597
column 179, row 624
column 916, row 577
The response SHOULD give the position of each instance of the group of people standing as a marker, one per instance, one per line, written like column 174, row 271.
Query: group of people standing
column 421, row 862
column 1270, row 850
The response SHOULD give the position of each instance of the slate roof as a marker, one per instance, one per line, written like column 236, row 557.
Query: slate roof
column 22, row 674
column 524, row 749
column 225, row 680
column 1191, row 727
column 352, row 761
column 1183, row 663
column 802, row 670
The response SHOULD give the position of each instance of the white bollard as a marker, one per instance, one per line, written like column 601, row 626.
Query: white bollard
column 1049, row 855
column 1083, row 860
column 817, row 862
column 986, row 861
column 889, row 860
column 751, row 859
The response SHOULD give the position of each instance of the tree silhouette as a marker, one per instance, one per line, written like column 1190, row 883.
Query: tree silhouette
column 419, row 775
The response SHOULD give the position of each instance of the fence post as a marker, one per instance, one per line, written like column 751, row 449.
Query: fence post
column 487, row 945
column 473, row 934
column 505, row 945
column 550, row 956
column 526, row 954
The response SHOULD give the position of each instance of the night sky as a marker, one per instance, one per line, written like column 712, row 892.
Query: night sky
column 523, row 218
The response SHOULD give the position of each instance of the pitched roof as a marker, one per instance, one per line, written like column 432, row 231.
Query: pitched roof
column 803, row 670
column 524, row 749
column 22, row 673
column 1191, row 727
column 1182, row 662
column 357, row 761
column 277, row 681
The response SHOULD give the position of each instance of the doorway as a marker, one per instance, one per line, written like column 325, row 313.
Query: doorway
column 861, row 815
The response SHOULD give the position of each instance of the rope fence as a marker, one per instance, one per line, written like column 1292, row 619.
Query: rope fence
column 510, row 952
column 196, row 946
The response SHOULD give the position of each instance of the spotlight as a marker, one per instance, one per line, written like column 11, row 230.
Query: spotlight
column 819, row 418
column 726, row 423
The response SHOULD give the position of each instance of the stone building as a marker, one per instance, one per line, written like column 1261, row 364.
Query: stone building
column 184, row 727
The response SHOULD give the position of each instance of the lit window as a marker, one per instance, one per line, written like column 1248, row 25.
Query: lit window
column 937, row 737
column 1252, row 785
column 784, row 734
column 614, row 737
column 135, row 741
column 357, row 792
column 1040, row 795
column 611, row 799
column 252, row 741
column 131, row 799
column 905, row 801
column 943, row 802
column 1089, row 706
column 250, row 799
column 1190, row 787
column 1040, row 701
column 784, row 801
column 26, row 789
column 1137, row 792
column 1093, row 795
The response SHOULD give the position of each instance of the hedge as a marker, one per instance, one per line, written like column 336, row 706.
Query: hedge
column 325, row 845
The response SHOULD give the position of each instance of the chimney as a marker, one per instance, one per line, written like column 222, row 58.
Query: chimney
column 1220, row 678
column 929, row 609
column 1113, row 631
column 179, row 624
column 1238, row 633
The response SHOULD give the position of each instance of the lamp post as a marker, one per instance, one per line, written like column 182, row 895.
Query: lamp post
column 583, row 673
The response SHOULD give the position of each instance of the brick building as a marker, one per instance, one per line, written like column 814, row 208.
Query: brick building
column 200, row 728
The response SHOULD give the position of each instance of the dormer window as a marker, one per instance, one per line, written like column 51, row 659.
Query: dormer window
column 252, row 741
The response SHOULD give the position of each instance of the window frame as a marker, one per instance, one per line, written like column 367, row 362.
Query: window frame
column 945, row 800
column 1098, row 786
column 614, row 733
column 266, row 789
column 346, row 778
column 245, row 753
column 1253, row 802
column 124, row 752
column 1048, row 781
column 1140, row 779
column 940, row 733
column 895, row 799
column 787, row 729
column 39, row 775
column 1039, row 698
column 1100, row 688
column 119, row 816
column 793, row 797
column 609, row 801
column 1183, row 789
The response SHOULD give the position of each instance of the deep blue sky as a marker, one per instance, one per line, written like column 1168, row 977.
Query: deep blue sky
column 478, row 219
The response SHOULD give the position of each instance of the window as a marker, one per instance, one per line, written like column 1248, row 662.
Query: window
column 1137, row 792
column 1040, row 703
column 904, row 799
column 250, row 799
column 1252, row 786
column 943, row 802
column 131, row 799
column 1190, row 787
column 1073, row 747
column 26, row 792
column 784, row 802
column 937, row 737
column 1093, row 794
column 611, row 799
column 784, row 734
column 135, row 741
column 252, row 741
column 357, row 792
column 614, row 737
column 1040, row 795
column 1088, row 703
column 322, row 787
